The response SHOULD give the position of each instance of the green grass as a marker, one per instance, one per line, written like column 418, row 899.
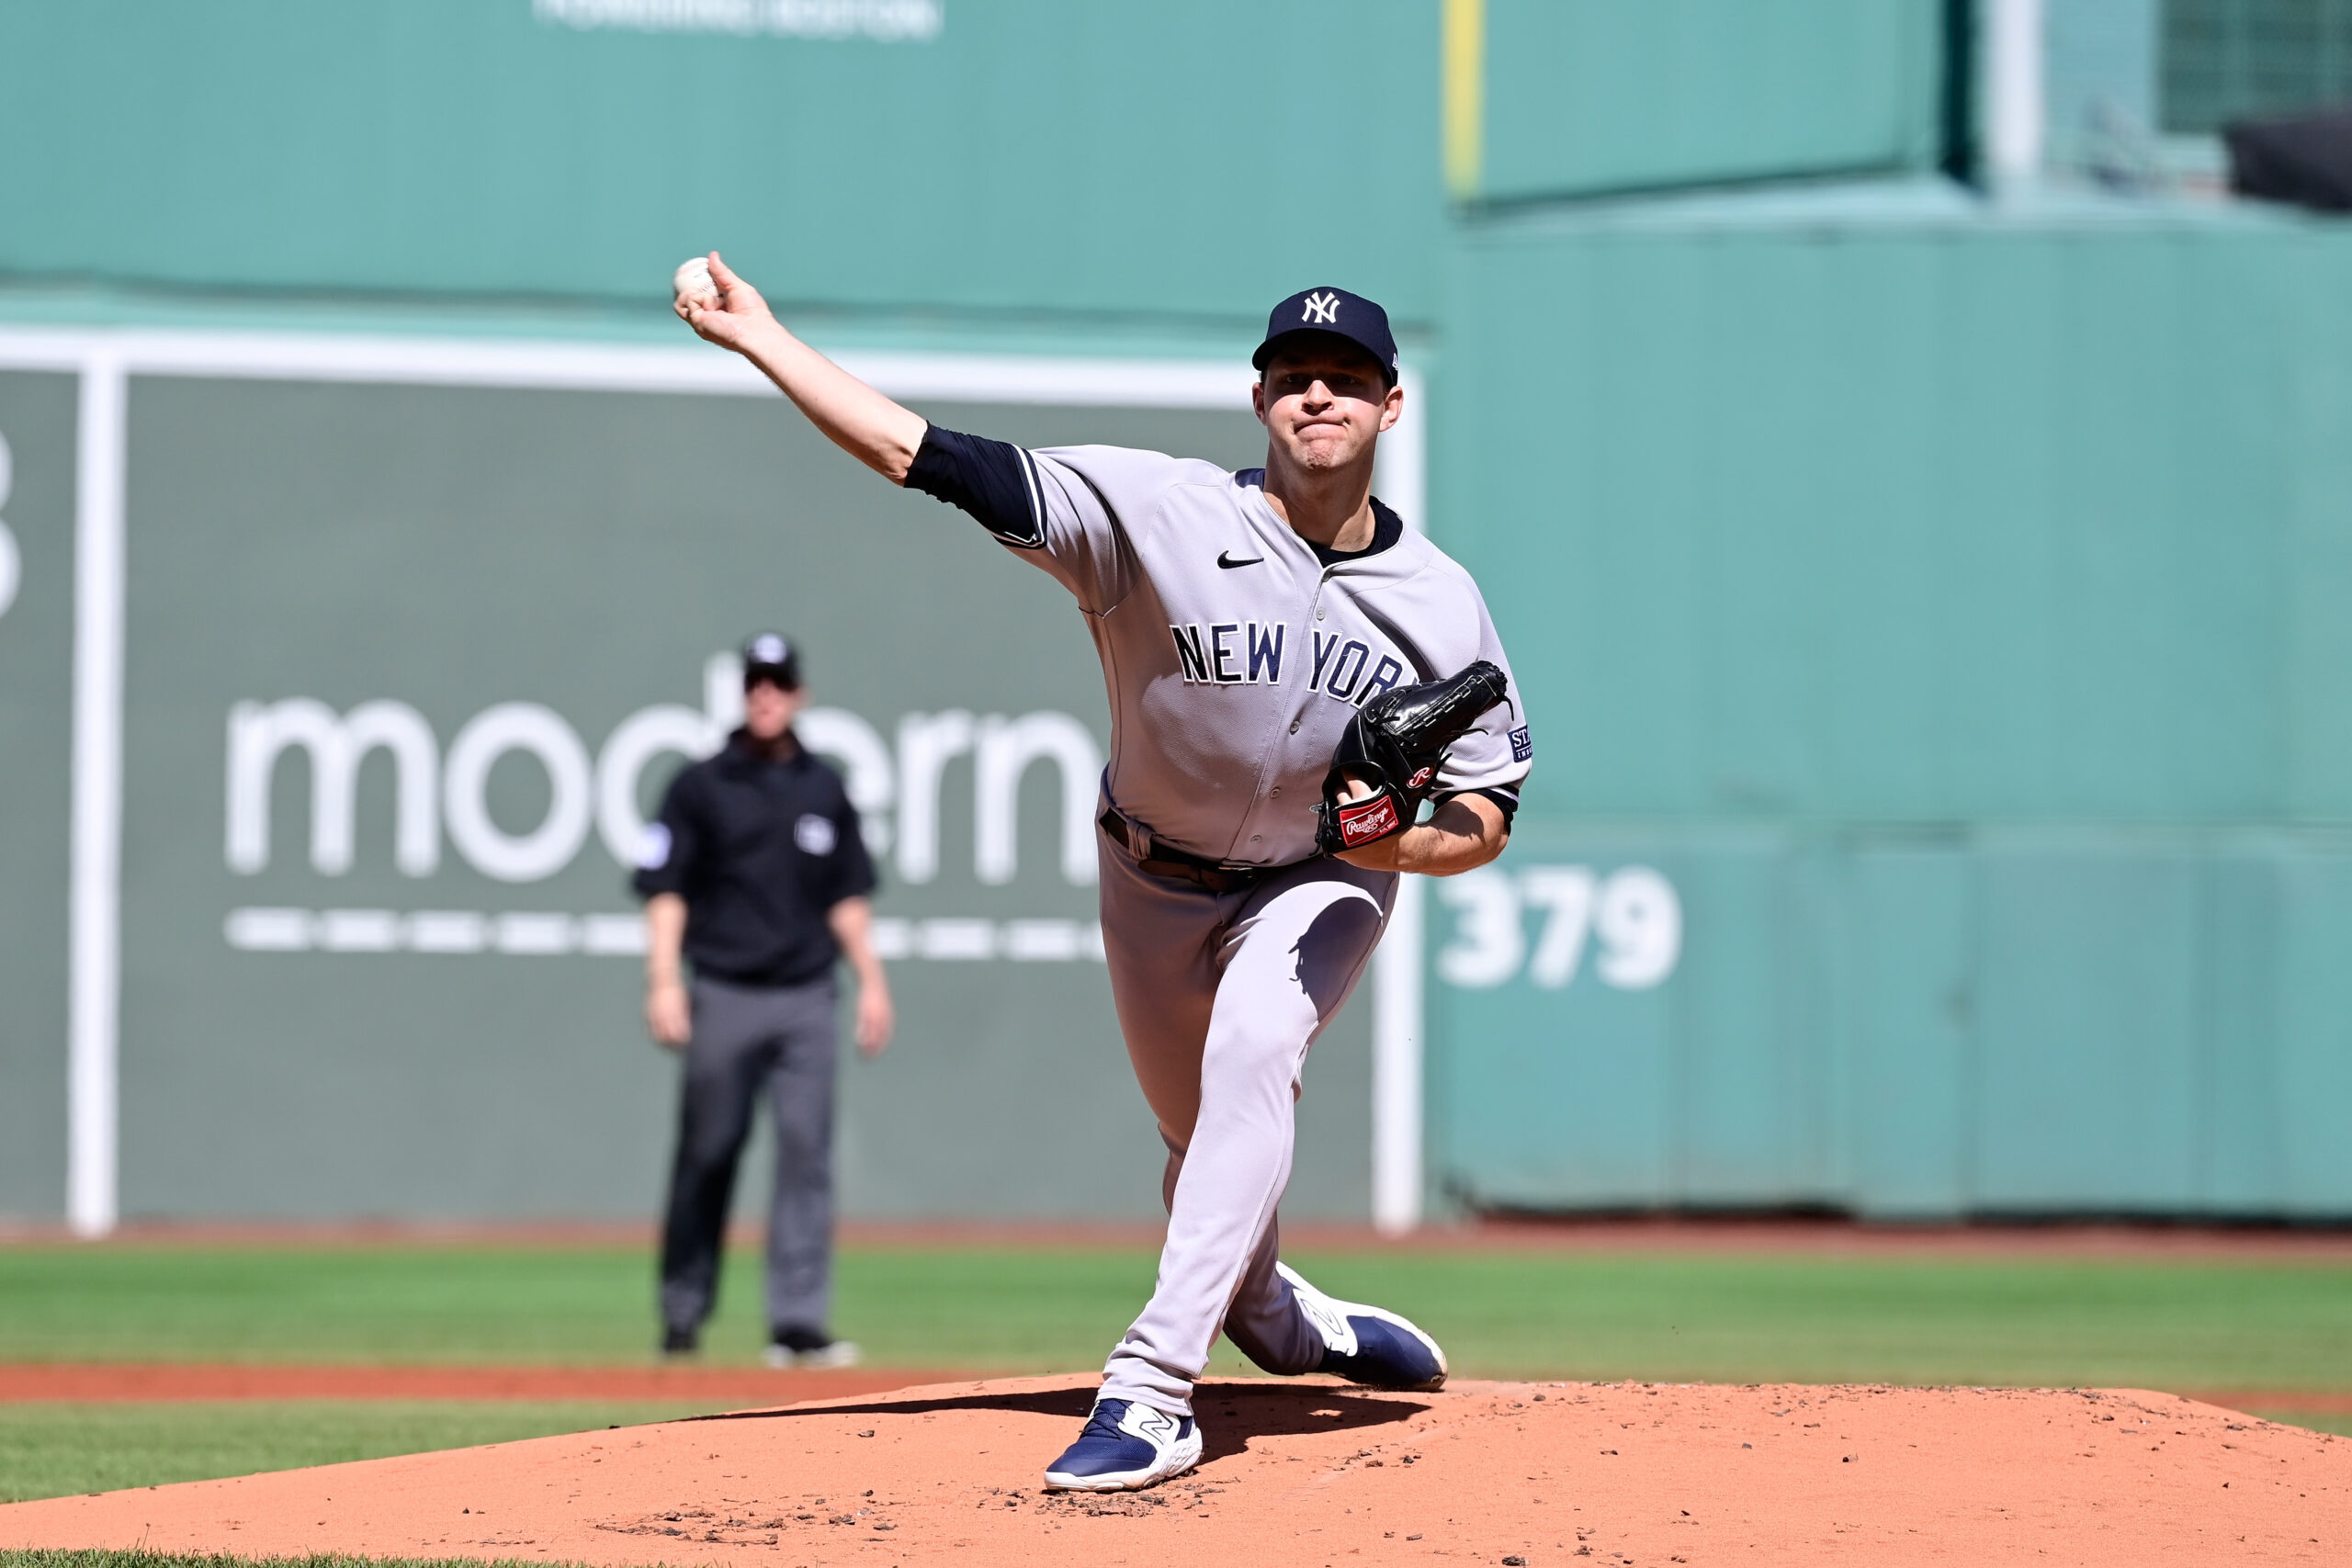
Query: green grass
column 996, row 1309
column 2341, row 1425
column 1750, row 1318
column 1732, row 1317
column 1745, row 1317
column 50, row 1450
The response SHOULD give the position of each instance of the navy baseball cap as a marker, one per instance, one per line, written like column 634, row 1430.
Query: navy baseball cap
column 1338, row 312
column 768, row 657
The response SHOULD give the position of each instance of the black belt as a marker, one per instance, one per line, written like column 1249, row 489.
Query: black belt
column 1156, row 859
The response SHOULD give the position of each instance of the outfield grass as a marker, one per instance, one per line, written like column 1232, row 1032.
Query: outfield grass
column 1742, row 1317
column 1738, row 1317
column 1722, row 1318
column 52, row 1450
column 996, row 1309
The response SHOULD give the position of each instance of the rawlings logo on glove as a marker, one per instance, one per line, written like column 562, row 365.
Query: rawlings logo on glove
column 1392, row 750
column 1367, row 821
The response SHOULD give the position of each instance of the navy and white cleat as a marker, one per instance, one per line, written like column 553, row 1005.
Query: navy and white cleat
column 1367, row 1346
column 1125, row 1446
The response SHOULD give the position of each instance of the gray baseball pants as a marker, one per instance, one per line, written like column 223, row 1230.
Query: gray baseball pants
column 746, row 1040
column 1219, row 996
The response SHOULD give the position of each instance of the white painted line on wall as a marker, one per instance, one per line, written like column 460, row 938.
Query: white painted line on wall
column 538, row 933
column 12, row 562
column 1059, row 380
column 1396, row 999
column 2014, row 90
column 883, row 21
column 1396, row 1066
column 1401, row 475
column 93, row 1114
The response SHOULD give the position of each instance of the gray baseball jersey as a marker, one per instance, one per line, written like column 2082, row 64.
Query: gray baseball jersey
column 1234, row 658
column 1235, row 655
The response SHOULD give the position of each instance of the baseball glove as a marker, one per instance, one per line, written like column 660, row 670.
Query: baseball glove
column 1394, row 747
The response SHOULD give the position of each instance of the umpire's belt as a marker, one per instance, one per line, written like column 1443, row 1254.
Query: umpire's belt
column 1165, row 860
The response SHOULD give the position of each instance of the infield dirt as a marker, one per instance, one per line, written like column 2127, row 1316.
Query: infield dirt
column 1316, row 1472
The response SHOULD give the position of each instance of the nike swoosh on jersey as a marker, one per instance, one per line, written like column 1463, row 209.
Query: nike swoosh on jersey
column 1226, row 560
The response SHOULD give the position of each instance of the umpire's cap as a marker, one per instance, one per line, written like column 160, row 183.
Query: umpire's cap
column 768, row 657
column 1339, row 313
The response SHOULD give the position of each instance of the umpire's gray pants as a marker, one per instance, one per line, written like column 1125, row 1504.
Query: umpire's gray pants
column 1219, row 996
column 746, row 1039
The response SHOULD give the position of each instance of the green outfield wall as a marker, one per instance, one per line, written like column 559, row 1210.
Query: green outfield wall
column 1933, row 607
column 1952, row 611
column 1581, row 96
column 1055, row 156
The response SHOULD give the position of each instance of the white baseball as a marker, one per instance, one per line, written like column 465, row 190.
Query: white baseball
column 693, row 281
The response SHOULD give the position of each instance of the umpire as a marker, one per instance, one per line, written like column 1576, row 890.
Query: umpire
column 755, row 872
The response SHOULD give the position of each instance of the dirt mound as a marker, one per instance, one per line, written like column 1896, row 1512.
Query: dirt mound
column 1313, row 1472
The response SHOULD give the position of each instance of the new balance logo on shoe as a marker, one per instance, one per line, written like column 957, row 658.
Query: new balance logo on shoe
column 1366, row 1345
column 1125, row 1446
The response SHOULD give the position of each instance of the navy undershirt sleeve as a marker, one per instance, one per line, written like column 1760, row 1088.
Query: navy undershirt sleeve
column 994, row 480
column 1506, row 800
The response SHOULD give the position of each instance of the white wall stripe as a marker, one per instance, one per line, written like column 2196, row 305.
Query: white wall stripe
column 696, row 368
column 92, row 1199
column 1396, row 1021
column 2014, row 90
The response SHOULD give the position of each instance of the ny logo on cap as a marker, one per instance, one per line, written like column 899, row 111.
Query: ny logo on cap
column 767, row 649
column 1324, row 307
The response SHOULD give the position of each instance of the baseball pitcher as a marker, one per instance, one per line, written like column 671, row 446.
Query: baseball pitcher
column 1294, row 676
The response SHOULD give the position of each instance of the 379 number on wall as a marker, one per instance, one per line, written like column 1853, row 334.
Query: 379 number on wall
column 1631, row 918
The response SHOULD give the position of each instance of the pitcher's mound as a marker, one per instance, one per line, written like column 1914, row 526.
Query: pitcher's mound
column 1316, row 1472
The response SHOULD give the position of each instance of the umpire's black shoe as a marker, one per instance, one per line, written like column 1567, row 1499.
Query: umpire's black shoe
column 677, row 1344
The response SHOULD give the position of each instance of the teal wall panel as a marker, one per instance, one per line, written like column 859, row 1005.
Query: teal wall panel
column 1904, row 967
column 1542, row 1078
column 1572, row 1050
column 1989, row 575
column 2314, row 494
column 1909, row 1025
column 2090, row 1030
column 1750, row 1061
column 1900, row 525
column 37, row 441
column 1586, row 95
column 2313, row 1069
column 2248, row 917
column 1057, row 157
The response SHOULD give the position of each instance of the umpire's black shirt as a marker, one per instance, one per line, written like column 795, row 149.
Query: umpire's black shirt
column 760, row 850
